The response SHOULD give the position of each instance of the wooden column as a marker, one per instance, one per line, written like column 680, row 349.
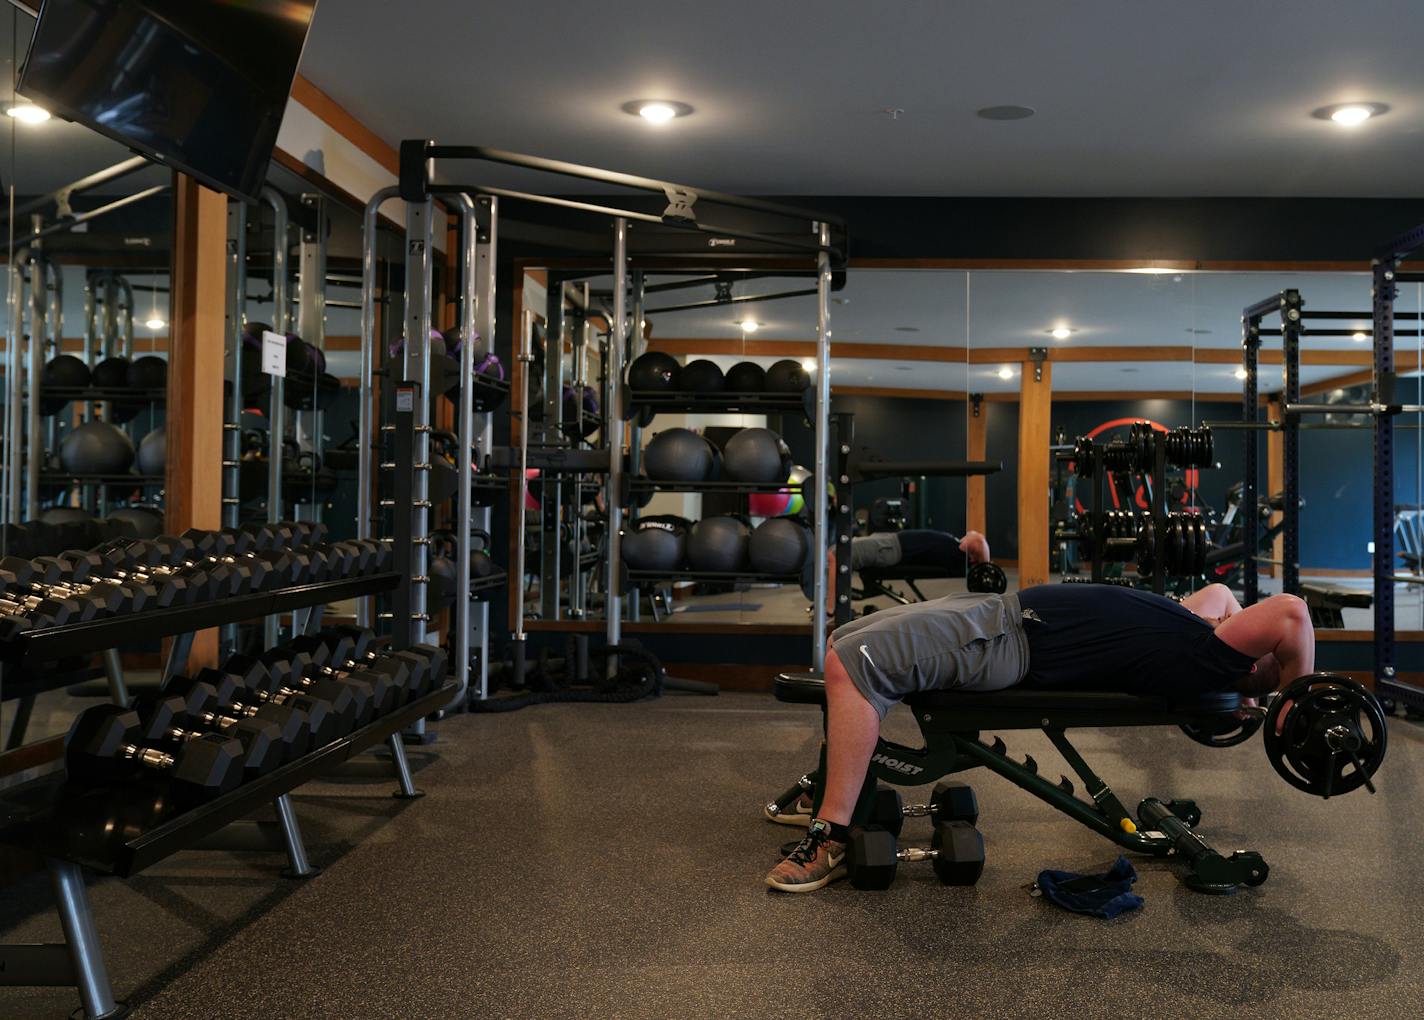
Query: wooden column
column 1035, row 405
column 976, row 508
column 1275, row 479
column 193, row 486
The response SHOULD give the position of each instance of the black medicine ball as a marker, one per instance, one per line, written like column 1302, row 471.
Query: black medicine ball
column 654, row 371
column 786, row 376
column 746, row 377
column 718, row 545
column 702, row 376
column 656, row 543
column 678, row 455
column 756, row 455
column 778, row 546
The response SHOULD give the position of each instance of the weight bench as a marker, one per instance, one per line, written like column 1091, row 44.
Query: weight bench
column 875, row 582
column 950, row 723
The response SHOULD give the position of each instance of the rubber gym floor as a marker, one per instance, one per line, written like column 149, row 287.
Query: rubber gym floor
column 607, row 861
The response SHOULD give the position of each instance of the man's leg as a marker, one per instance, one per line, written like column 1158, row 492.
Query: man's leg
column 1278, row 626
column 1214, row 603
column 852, row 727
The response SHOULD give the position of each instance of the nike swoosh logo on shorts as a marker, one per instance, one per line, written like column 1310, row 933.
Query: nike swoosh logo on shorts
column 866, row 652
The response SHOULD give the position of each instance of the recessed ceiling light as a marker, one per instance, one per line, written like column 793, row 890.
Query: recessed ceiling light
column 1060, row 333
column 1350, row 114
column 749, row 325
column 27, row 113
column 841, row 300
column 1359, row 337
column 904, row 368
column 1153, row 270
column 1240, row 373
column 1005, row 112
column 1129, row 370
column 155, row 323
column 1006, row 372
column 809, row 364
column 656, row 111
column 907, row 329
column 1198, row 332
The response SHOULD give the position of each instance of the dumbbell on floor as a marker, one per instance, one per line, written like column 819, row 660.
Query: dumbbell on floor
column 105, row 742
column 957, row 853
column 949, row 802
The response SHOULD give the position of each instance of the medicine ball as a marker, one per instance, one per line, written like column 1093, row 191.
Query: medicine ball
column 58, row 515
column 786, row 376
column 782, row 503
column 778, row 546
column 756, row 455
column 656, row 543
column 746, row 377
column 145, row 521
column 97, row 448
column 702, row 376
column 65, row 370
column 571, row 406
column 718, row 545
column 149, row 372
column 678, row 455
column 111, row 373
column 654, row 371
column 153, row 452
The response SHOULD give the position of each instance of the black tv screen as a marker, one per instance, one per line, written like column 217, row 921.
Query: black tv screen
column 200, row 85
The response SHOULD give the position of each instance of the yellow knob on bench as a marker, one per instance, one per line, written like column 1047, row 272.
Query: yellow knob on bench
column 1128, row 826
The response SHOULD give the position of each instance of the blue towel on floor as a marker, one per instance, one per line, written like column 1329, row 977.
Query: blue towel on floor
column 1105, row 895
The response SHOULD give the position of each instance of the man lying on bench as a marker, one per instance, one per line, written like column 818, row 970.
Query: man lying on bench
column 911, row 554
column 1052, row 637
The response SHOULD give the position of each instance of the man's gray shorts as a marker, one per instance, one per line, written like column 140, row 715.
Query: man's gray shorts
column 964, row 642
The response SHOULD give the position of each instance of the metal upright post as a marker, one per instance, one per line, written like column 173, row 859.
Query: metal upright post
column 416, row 368
column 551, row 502
column 15, row 404
column 54, row 284
column 486, row 261
column 276, row 400
column 311, row 326
column 1291, row 306
column 1159, row 512
column 634, row 606
column 822, row 430
column 232, row 412
column 526, row 361
column 111, row 314
column 575, row 482
column 1382, row 391
column 34, row 433
column 124, row 322
column 366, row 412
column 96, row 994
column 465, row 428
column 1250, row 519
column 613, row 606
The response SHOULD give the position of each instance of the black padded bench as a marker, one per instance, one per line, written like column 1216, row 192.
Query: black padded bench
column 875, row 582
column 950, row 723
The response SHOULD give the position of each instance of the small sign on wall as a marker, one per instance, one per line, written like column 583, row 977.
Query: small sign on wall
column 274, row 353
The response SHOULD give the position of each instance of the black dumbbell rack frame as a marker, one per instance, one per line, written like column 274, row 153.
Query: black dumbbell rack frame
column 114, row 394
column 722, row 401
column 32, row 821
column 111, row 631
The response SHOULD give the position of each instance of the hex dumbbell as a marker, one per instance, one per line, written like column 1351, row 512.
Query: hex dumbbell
column 950, row 802
column 210, row 700
column 957, row 853
column 281, row 682
column 105, row 742
column 167, row 721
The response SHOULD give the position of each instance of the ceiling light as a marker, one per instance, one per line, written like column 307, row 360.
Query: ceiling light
column 1241, row 373
column 749, row 325
column 809, row 364
column 27, row 113
column 1061, row 333
column 1153, row 270
column 656, row 111
column 155, row 323
column 907, row 329
column 1350, row 114
column 1005, row 112
column 841, row 300
column 1359, row 337
column 1006, row 372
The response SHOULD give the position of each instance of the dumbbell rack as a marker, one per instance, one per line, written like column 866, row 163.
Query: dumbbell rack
column 39, row 817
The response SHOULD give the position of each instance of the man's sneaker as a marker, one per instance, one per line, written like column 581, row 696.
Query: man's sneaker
column 816, row 862
column 799, row 813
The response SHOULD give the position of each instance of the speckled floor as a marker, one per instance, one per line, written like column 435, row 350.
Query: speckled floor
column 606, row 861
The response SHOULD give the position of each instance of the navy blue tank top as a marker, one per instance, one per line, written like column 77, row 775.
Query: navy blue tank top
column 1109, row 638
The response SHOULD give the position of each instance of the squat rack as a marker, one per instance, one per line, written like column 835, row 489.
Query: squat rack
column 739, row 225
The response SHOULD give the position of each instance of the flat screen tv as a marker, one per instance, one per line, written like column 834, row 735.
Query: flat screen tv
column 200, row 85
